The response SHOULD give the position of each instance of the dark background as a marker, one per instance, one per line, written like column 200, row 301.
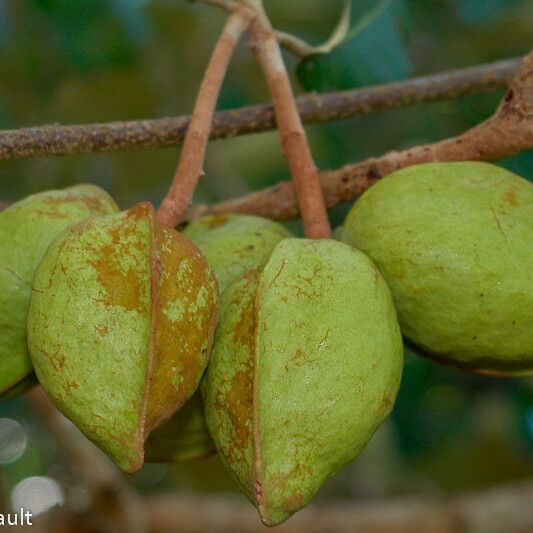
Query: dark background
column 93, row 61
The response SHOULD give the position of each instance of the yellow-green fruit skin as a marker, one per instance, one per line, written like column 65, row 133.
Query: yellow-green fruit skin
column 306, row 365
column 26, row 229
column 454, row 242
column 234, row 243
column 121, row 322
column 337, row 233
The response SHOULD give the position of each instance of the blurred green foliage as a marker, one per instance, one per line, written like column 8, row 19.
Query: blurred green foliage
column 375, row 40
column 79, row 61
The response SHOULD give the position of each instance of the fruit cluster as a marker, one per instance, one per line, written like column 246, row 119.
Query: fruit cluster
column 117, row 317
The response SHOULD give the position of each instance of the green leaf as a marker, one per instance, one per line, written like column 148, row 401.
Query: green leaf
column 474, row 12
column 368, row 18
column 374, row 52
column 89, row 33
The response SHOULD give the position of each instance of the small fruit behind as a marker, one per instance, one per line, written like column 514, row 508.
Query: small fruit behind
column 232, row 244
column 120, row 327
column 183, row 437
column 454, row 243
column 306, row 365
column 26, row 229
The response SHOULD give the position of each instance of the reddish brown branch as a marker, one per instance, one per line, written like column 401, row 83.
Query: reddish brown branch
column 509, row 131
column 44, row 141
column 177, row 203
column 293, row 138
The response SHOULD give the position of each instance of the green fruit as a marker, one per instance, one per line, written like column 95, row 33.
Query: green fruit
column 454, row 243
column 20, row 388
column 26, row 230
column 233, row 244
column 337, row 233
column 120, row 327
column 306, row 365
column 183, row 437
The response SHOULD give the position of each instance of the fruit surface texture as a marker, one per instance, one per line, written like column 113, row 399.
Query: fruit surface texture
column 306, row 365
column 26, row 229
column 120, row 327
column 454, row 242
column 232, row 244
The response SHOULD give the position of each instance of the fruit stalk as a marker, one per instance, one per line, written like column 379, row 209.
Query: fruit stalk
column 178, row 200
column 292, row 134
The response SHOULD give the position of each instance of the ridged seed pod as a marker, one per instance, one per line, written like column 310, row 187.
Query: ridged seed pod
column 306, row 365
column 120, row 327
column 26, row 229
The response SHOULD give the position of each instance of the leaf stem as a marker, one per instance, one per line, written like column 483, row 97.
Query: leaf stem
column 294, row 142
column 178, row 200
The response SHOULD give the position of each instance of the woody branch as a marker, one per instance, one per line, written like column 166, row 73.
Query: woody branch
column 507, row 132
column 55, row 140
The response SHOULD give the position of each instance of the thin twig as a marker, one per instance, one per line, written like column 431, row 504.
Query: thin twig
column 178, row 200
column 56, row 140
column 294, row 44
column 292, row 134
column 509, row 131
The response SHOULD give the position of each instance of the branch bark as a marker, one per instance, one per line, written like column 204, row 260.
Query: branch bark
column 509, row 131
column 53, row 140
column 177, row 202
